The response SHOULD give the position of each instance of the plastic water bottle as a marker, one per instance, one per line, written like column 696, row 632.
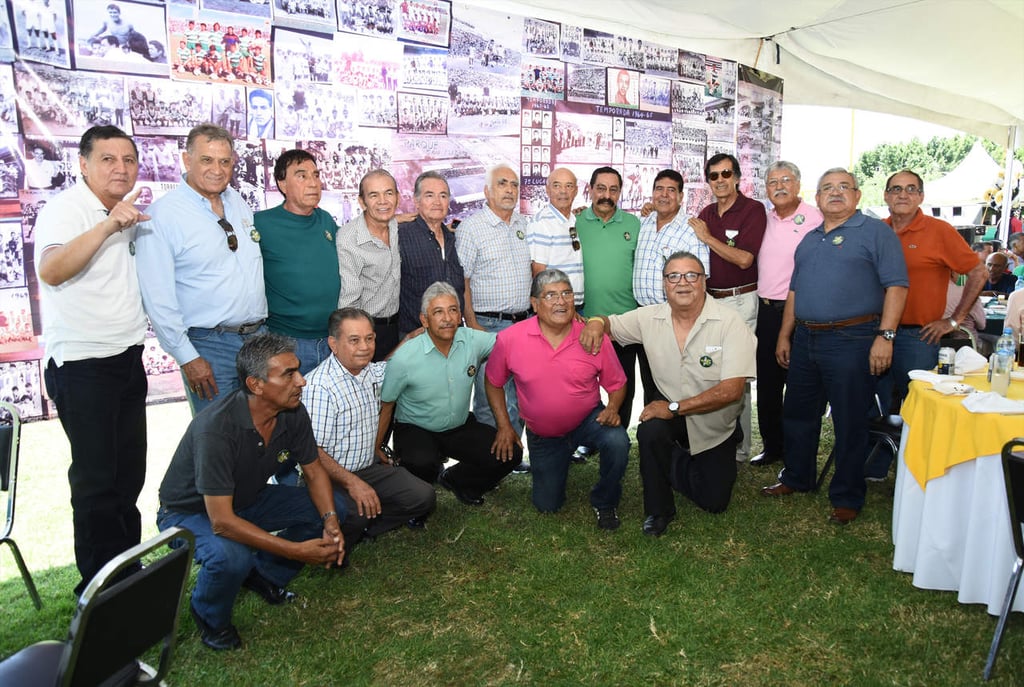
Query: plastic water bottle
column 1002, row 362
column 1020, row 283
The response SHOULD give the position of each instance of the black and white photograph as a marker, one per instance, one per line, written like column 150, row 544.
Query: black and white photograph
column 30, row 204
column 229, row 108
column 302, row 56
column 424, row 21
column 655, row 94
column 44, row 166
column 713, row 77
column 424, row 69
column 259, row 115
column 41, row 31
column 120, row 36
column 600, row 47
column 584, row 83
column 422, row 114
column 572, row 43
column 688, row 101
column 720, row 117
column 168, row 108
column 257, row 8
column 369, row 63
column 307, row 110
column 367, row 17
column 7, row 53
column 249, row 178
column 314, row 15
column 12, row 168
column 56, row 102
column 540, row 38
column 159, row 158
column 543, row 79
column 691, row 66
column 637, row 182
column 378, row 109
column 218, row 47
column 581, row 137
column 19, row 381
column 649, row 141
column 12, row 260
column 8, row 102
column 484, row 75
column 661, row 60
column 343, row 163
column 631, row 52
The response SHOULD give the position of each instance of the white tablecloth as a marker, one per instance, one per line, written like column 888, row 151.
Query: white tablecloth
column 955, row 535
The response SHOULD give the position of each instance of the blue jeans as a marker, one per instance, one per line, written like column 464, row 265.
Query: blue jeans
column 830, row 365
column 482, row 409
column 550, row 458
column 225, row 563
column 909, row 352
column 311, row 352
column 219, row 349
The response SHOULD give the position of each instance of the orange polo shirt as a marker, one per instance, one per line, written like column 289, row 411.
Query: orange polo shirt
column 932, row 248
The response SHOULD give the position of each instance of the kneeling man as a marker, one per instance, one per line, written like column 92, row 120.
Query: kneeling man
column 559, row 398
column 701, row 354
column 216, row 486
column 427, row 388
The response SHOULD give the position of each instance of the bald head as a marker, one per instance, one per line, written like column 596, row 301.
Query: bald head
column 561, row 188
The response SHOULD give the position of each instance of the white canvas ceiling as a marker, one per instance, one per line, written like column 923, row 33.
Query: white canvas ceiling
column 959, row 63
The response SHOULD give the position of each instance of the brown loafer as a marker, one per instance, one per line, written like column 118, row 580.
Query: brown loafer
column 841, row 516
column 777, row 489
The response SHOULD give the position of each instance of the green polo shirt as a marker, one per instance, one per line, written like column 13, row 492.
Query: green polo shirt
column 608, row 249
column 432, row 391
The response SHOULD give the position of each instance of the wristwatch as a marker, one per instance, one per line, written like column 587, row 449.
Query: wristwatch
column 954, row 324
column 673, row 408
column 887, row 334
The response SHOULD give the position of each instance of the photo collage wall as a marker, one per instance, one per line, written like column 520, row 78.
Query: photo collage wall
column 405, row 86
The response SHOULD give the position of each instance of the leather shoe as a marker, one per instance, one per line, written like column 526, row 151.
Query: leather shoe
column 467, row 499
column 219, row 640
column 764, row 459
column 417, row 523
column 841, row 516
column 777, row 489
column 270, row 592
column 655, row 525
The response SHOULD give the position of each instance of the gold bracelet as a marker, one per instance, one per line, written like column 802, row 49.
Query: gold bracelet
column 595, row 317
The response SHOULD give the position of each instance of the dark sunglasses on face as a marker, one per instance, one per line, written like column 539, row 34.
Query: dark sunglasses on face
column 725, row 174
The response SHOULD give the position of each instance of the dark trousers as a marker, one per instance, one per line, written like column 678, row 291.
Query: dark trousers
column 387, row 338
column 102, row 407
column 771, row 378
column 706, row 478
column 423, row 453
column 402, row 496
column 628, row 357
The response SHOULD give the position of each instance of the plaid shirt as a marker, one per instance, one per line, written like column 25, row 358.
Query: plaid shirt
column 652, row 250
column 496, row 260
column 345, row 409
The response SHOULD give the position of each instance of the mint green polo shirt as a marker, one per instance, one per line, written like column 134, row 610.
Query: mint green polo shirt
column 608, row 249
column 433, row 391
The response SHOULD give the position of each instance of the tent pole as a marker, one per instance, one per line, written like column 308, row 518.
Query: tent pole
column 1012, row 141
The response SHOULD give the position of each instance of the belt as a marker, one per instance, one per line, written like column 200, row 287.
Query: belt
column 510, row 316
column 778, row 305
column 734, row 291
column 242, row 329
column 839, row 324
column 386, row 321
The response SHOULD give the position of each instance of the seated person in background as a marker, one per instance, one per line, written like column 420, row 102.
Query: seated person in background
column 1000, row 282
column 1015, row 312
column 427, row 389
column 342, row 397
column 559, row 383
column 975, row 320
column 216, row 487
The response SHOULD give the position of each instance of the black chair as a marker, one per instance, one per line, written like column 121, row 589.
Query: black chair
column 1013, row 476
column 884, row 431
column 118, row 619
column 10, row 440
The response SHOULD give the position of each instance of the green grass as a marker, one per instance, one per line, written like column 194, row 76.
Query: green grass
column 768, row 593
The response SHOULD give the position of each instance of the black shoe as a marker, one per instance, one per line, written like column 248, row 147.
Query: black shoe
column 579, row 456
column 607, row 519
column 270, row 592
column 219, row 640
column 765, row 458
column 655, row 525
column 522, row 468
column 417, row 523
column 467, row 499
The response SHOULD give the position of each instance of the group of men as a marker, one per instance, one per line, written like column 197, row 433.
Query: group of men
column 304, row 343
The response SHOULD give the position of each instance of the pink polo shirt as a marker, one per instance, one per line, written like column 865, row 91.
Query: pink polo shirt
column 775, row 259
column 557, row 388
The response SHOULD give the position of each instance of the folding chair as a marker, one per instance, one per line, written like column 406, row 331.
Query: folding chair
column 883, row 431
column 10, row 440
column 118, row 619
column 1013, row 477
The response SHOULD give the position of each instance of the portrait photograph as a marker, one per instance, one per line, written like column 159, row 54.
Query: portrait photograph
column 120, row 37
column 623, row 88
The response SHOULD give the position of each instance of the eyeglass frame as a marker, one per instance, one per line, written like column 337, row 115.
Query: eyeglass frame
column 689, row 277
column 725, row 174
column 230, row 231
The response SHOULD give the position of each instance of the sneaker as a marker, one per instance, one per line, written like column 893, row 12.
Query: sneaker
column 579, row 456
column 607, row 519
column 522, row 468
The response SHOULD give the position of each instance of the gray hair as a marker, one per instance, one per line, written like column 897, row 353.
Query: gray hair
column 839, row 170
column 253, row 359
column 376, row 173
column 494, row 170
column 210, row 132
column 429, row 174
column 782, row 164
column 438, row 288
column 686, row 255
column 548, row 276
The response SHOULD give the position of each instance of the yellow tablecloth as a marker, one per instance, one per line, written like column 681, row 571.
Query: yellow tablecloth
column 942, row 433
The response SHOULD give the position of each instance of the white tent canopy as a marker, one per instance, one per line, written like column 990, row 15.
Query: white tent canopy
column 966, row 183
column 952, row 62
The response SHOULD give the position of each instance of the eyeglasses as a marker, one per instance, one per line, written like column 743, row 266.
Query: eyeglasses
column 896, row 190
column 842, row 188
column 725, row 174
column 575, row 238
column 549, row 296
column 690, row 277
column 772, row 183
column 230, row 231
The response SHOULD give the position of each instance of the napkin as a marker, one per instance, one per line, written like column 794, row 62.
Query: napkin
column 929, row 377
column 969, row 360
column 991, row 402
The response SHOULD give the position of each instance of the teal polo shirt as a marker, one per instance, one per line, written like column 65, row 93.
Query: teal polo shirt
column 608, row 250
column 433, row 391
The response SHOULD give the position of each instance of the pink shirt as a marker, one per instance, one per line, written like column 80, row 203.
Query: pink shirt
column 557, row 388
column 775, row 259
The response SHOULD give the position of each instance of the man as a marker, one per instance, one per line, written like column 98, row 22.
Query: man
column 663, row 232
column 427, row 249
column 835, row 340
column 789, row 220
column 427, row 388
column 261, row 114
column 733, row 228
column 561, row 403
column 94, row 329
column 300, row 261
column 200, row 269
column 1015, row 251
column 369, row 260
column 216, row 487
column 40, row 173
column 343, row 401
column 1000, row 282
column 608, row 237
column 551, row 235
column 932, row 250
column 496, row 260
column 622, row 96
column 702, row 355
